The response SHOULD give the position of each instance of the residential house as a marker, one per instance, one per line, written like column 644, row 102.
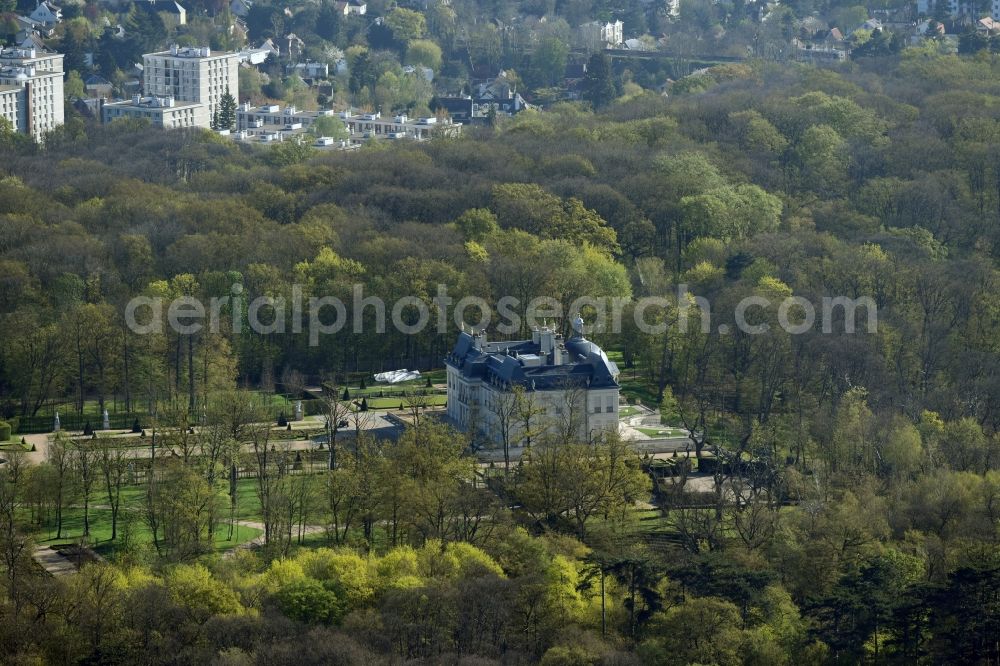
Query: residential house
column 926, row 29
column 27, row 26
column 478, row 110
column 31, row 40
column 293, row 45
column 239, row 30
column 833, row 37
column 46, row 14
column 170, row 12
column 97, row 86
column 255, row 56
column 240, row 8
column 499, row 94
column 352, row 7
column 595, row 36
column 312, row 70
column 425, row 72
column 988, row 26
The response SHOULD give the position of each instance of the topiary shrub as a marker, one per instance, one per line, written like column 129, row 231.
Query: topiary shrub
column 88, row 429
column 429, row 384
column 347, row 394
column 364, row 404
column 5, row 430
column 282, row 420
column 136, row 428
column 288, row 427
column 363, row 386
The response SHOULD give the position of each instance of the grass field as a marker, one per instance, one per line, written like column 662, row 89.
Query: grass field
column 394, row 403
column 129, row 519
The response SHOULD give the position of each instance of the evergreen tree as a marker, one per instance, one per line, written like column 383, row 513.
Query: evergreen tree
column 599, row 84
column 328, row 24
column 226, row 114
column 72, row 48
column 363, row 74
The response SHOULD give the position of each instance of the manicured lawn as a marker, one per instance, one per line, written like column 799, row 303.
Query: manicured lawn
column 133, row 499
column 14, row 444
column 393, row 403
column 100, row 531
column 627, row 411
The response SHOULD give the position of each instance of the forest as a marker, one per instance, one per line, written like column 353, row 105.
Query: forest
column 872, row 460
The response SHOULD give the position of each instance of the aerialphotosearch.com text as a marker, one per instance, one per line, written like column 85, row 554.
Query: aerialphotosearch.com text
column 328, row 315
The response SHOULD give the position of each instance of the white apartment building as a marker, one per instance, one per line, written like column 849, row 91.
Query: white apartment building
column 163, row 112
column 31, row 90
column 271, row 117
column 957, row 8
column 364, row 126
column 565, row 383
column 192, row 75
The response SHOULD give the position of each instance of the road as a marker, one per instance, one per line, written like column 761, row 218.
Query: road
column 384, row 424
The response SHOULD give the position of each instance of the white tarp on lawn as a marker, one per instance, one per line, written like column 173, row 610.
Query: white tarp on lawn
column 397, row 376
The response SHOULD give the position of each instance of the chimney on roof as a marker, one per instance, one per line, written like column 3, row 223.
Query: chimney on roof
column 558, row 354
column 546, row 341
column 478, row 339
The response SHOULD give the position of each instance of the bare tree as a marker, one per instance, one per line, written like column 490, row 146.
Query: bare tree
column 342, row 500
column 259, row 435
column 215, row 445
column 570, row 424
column 305, row 494
column 84, row 461
column 528, row 409
column 336, row 411
column 178, row 435
column 113, row 462
column 59, row 458
column 504, row 405
column 415, row 401
column 14, row 547
column 233, row 413
column 293, row 382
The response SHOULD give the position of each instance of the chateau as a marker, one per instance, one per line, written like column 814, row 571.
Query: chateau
column 562, row 383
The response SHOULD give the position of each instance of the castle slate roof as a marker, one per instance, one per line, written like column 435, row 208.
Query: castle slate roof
column 521, row 362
